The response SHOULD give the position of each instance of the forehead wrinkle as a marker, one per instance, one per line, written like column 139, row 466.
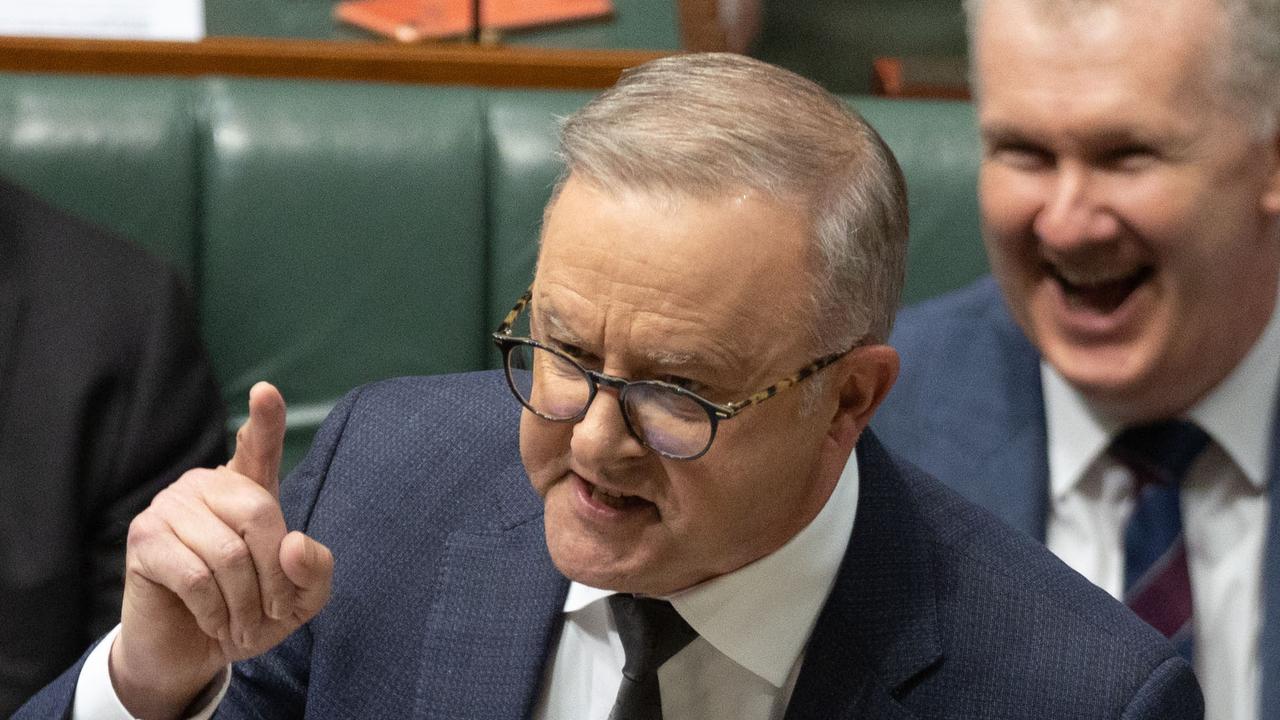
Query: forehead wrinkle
column 722, row 355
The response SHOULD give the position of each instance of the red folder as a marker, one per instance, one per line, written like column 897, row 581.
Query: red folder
column 412, row 20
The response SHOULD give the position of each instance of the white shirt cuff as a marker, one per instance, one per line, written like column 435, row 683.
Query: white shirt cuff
column 96, row 697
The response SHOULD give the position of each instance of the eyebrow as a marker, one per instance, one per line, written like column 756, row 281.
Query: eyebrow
column 658, row 357
column 1002, row 134
column 672, row 358
column 1107, row 136
column 556, row 323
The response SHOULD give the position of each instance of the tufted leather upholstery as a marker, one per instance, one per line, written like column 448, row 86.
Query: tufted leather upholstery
column 338, row 233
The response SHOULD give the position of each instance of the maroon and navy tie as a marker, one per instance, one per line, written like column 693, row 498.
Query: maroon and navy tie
column 1157, row 583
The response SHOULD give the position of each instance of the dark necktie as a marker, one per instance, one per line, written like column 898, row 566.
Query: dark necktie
column 1157, row 583
column 651, row 632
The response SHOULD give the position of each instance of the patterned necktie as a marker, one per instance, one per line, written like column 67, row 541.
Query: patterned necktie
column 1157, row 583
column 651, row 632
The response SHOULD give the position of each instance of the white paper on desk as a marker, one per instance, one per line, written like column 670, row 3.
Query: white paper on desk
column 106, row 19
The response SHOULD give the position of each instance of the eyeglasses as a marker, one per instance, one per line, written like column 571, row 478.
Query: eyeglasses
column 674, row 422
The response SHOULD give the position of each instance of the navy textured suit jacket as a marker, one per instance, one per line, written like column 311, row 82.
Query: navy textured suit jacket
column 968, row 409
column 446, row 603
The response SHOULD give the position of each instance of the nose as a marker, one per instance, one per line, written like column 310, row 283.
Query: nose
column 1075, row 213
column 600, row 439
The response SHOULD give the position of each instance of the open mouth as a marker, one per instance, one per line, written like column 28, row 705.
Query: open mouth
column 1101, row 295
column 616, row 500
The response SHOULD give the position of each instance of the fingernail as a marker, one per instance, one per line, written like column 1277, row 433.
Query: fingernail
column 277, row 610
column 246, row 639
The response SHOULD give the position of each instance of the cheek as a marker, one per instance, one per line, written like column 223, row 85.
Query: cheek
column 1009, row 202
column 544, row 449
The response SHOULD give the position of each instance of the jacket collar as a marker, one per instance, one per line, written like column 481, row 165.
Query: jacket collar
column 1010, row 440
column 879, row 629
column 498, row 613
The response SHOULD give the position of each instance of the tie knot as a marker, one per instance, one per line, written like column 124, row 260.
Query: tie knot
column 1160, row 452
column 651, row 632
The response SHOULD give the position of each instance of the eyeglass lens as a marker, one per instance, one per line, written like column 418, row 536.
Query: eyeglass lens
column 557, row 389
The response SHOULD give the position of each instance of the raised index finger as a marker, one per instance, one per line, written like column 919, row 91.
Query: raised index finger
column 260, row 441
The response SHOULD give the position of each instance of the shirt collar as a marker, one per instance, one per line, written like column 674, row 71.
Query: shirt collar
column 1237, row 414
column 760, row 615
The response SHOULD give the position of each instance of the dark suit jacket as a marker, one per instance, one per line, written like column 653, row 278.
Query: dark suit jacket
column 968, row 409
column 446, row 603
column 105, row 397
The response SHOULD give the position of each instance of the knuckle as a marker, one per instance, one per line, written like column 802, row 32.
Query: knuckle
column 195, row 581
column 260, row 509
column 254, row 507
column 164, row 503
column 143, row 529
column 232, row 553
column 195, row 477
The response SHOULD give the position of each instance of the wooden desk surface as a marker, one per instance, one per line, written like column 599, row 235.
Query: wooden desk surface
column 499, row 66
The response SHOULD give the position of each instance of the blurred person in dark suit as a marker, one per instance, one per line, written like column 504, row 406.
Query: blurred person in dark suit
column 106, row 396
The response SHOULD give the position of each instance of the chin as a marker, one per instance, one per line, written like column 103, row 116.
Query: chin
column 1118, row 382
column 585, row 561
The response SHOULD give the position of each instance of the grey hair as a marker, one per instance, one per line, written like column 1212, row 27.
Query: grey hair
column 1246, row 70
column 706, row 125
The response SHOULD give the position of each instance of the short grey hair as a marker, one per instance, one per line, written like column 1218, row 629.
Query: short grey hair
column 706, row 125
column 1247, row 67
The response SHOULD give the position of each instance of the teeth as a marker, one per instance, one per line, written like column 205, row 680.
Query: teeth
column 613, row 499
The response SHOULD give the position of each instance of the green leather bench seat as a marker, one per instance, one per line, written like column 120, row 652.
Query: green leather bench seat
column 340, row 233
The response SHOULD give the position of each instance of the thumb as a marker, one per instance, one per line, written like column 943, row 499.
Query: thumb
column 260, row 441
column 309, row 566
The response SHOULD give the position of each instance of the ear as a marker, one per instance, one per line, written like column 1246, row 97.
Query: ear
column 869, row 373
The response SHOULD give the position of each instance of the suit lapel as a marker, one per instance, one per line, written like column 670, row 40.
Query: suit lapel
column 1269, row 642
column 492, row 625
column 879, row 628
column 1011, row 456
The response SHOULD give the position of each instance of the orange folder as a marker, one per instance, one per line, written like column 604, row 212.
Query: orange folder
column 413, row 20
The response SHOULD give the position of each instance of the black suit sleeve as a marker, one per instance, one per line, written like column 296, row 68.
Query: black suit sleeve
column 106, row 396
column 165, row 418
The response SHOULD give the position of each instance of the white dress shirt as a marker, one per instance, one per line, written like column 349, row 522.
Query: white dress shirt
column 1224, row 514
column 752, row 627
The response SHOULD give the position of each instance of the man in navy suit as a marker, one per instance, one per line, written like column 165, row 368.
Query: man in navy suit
column 699, row 354
column 1130, row 194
